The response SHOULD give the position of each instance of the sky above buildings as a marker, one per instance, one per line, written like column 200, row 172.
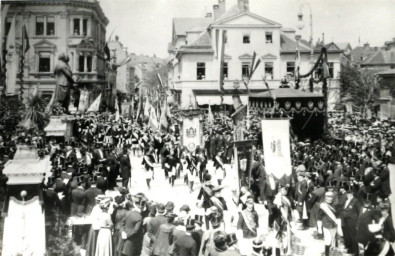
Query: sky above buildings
column 145, row 26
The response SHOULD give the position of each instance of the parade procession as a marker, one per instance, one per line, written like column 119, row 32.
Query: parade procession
column 213, row 129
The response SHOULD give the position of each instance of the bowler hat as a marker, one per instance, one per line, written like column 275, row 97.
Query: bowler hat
column 257, row 243
column 216, row 220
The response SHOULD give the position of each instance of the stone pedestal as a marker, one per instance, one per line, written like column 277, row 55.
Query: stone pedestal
column 60, row 126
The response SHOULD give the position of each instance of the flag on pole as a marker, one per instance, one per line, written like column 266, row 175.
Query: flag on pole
column 210, row 117
column 48, row 107
column 83, row 103
column 107, row 52
column 221, row 53
column 116, row 110
column 12, row 60
column 25, row 40
column 94, row 107
column 153, row 119
column 164, row 123
column 147, row 107
column 123, row 62
column 4, row 11
column 297, row 63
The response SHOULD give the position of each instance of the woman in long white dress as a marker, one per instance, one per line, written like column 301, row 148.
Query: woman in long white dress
column 104, row 238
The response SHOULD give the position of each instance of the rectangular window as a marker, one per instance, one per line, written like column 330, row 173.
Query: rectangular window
column 50, row 26
column 44, row 62
column 291, row 69
column 39, row 26
column 269, row 70
column 245, row 69
column 246, row 38
column 330, row 66
column 225, row 70
column 269, row 37
column 7, row 26
column 85, row 27
column 201, row 70
column 89, row 63
column 81, row 63
column 76, row 27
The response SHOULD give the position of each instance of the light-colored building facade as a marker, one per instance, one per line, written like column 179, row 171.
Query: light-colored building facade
column 194, row 53
column 76, row 27
column 118, row 54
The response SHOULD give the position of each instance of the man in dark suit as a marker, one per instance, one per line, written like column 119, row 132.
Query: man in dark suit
column 366, row 216
column 125, row 168
column 154, row 224
column 185, row 245
column 113, row 170
column 132, row 233
column 77, row 197
column 98, row 155
column 269, row 191
column 213, row 147
column 197, row 234
column 301, row 197
column 348, row 212
column 90, row 198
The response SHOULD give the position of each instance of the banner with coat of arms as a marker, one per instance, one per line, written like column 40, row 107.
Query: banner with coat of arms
column 191, row 132
column 276, row 146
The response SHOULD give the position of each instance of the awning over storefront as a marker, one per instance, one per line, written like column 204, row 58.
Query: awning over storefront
column 56, row 128
column 216, row 100
column 213, row 97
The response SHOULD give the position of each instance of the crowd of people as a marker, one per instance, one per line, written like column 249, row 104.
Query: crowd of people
column 338, row 189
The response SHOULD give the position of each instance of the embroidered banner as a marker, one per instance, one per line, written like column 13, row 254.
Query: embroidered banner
column 191, row 133
column 276, row 146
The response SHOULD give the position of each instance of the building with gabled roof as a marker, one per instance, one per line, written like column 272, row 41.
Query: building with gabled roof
column 194, row 50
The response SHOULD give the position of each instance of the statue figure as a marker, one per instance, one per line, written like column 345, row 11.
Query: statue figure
column 64, row 81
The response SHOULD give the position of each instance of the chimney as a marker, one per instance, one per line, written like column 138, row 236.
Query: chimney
column 243, row 5
column 216, row 11
column 208, row 15
column 366, row 46
column 222, row 7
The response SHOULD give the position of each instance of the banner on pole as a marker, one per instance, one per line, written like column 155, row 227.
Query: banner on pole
column 191, row 132
column 276, row 146
column 84, row 100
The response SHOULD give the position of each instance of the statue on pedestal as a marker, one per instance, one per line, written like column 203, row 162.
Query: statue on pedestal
column 64, row 81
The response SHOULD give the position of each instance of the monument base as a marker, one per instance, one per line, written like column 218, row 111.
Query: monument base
column 60, row 126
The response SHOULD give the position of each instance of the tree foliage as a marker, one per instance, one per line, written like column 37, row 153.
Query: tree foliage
column 362, row 85
column 152, row 76
column 35, row 113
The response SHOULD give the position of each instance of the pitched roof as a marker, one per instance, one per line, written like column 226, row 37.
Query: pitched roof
column 343, row 46
column 289, row 45
column 204, row 39
column 380, row 57
column 183, row 25
column 235, row 10
column 360, row 52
